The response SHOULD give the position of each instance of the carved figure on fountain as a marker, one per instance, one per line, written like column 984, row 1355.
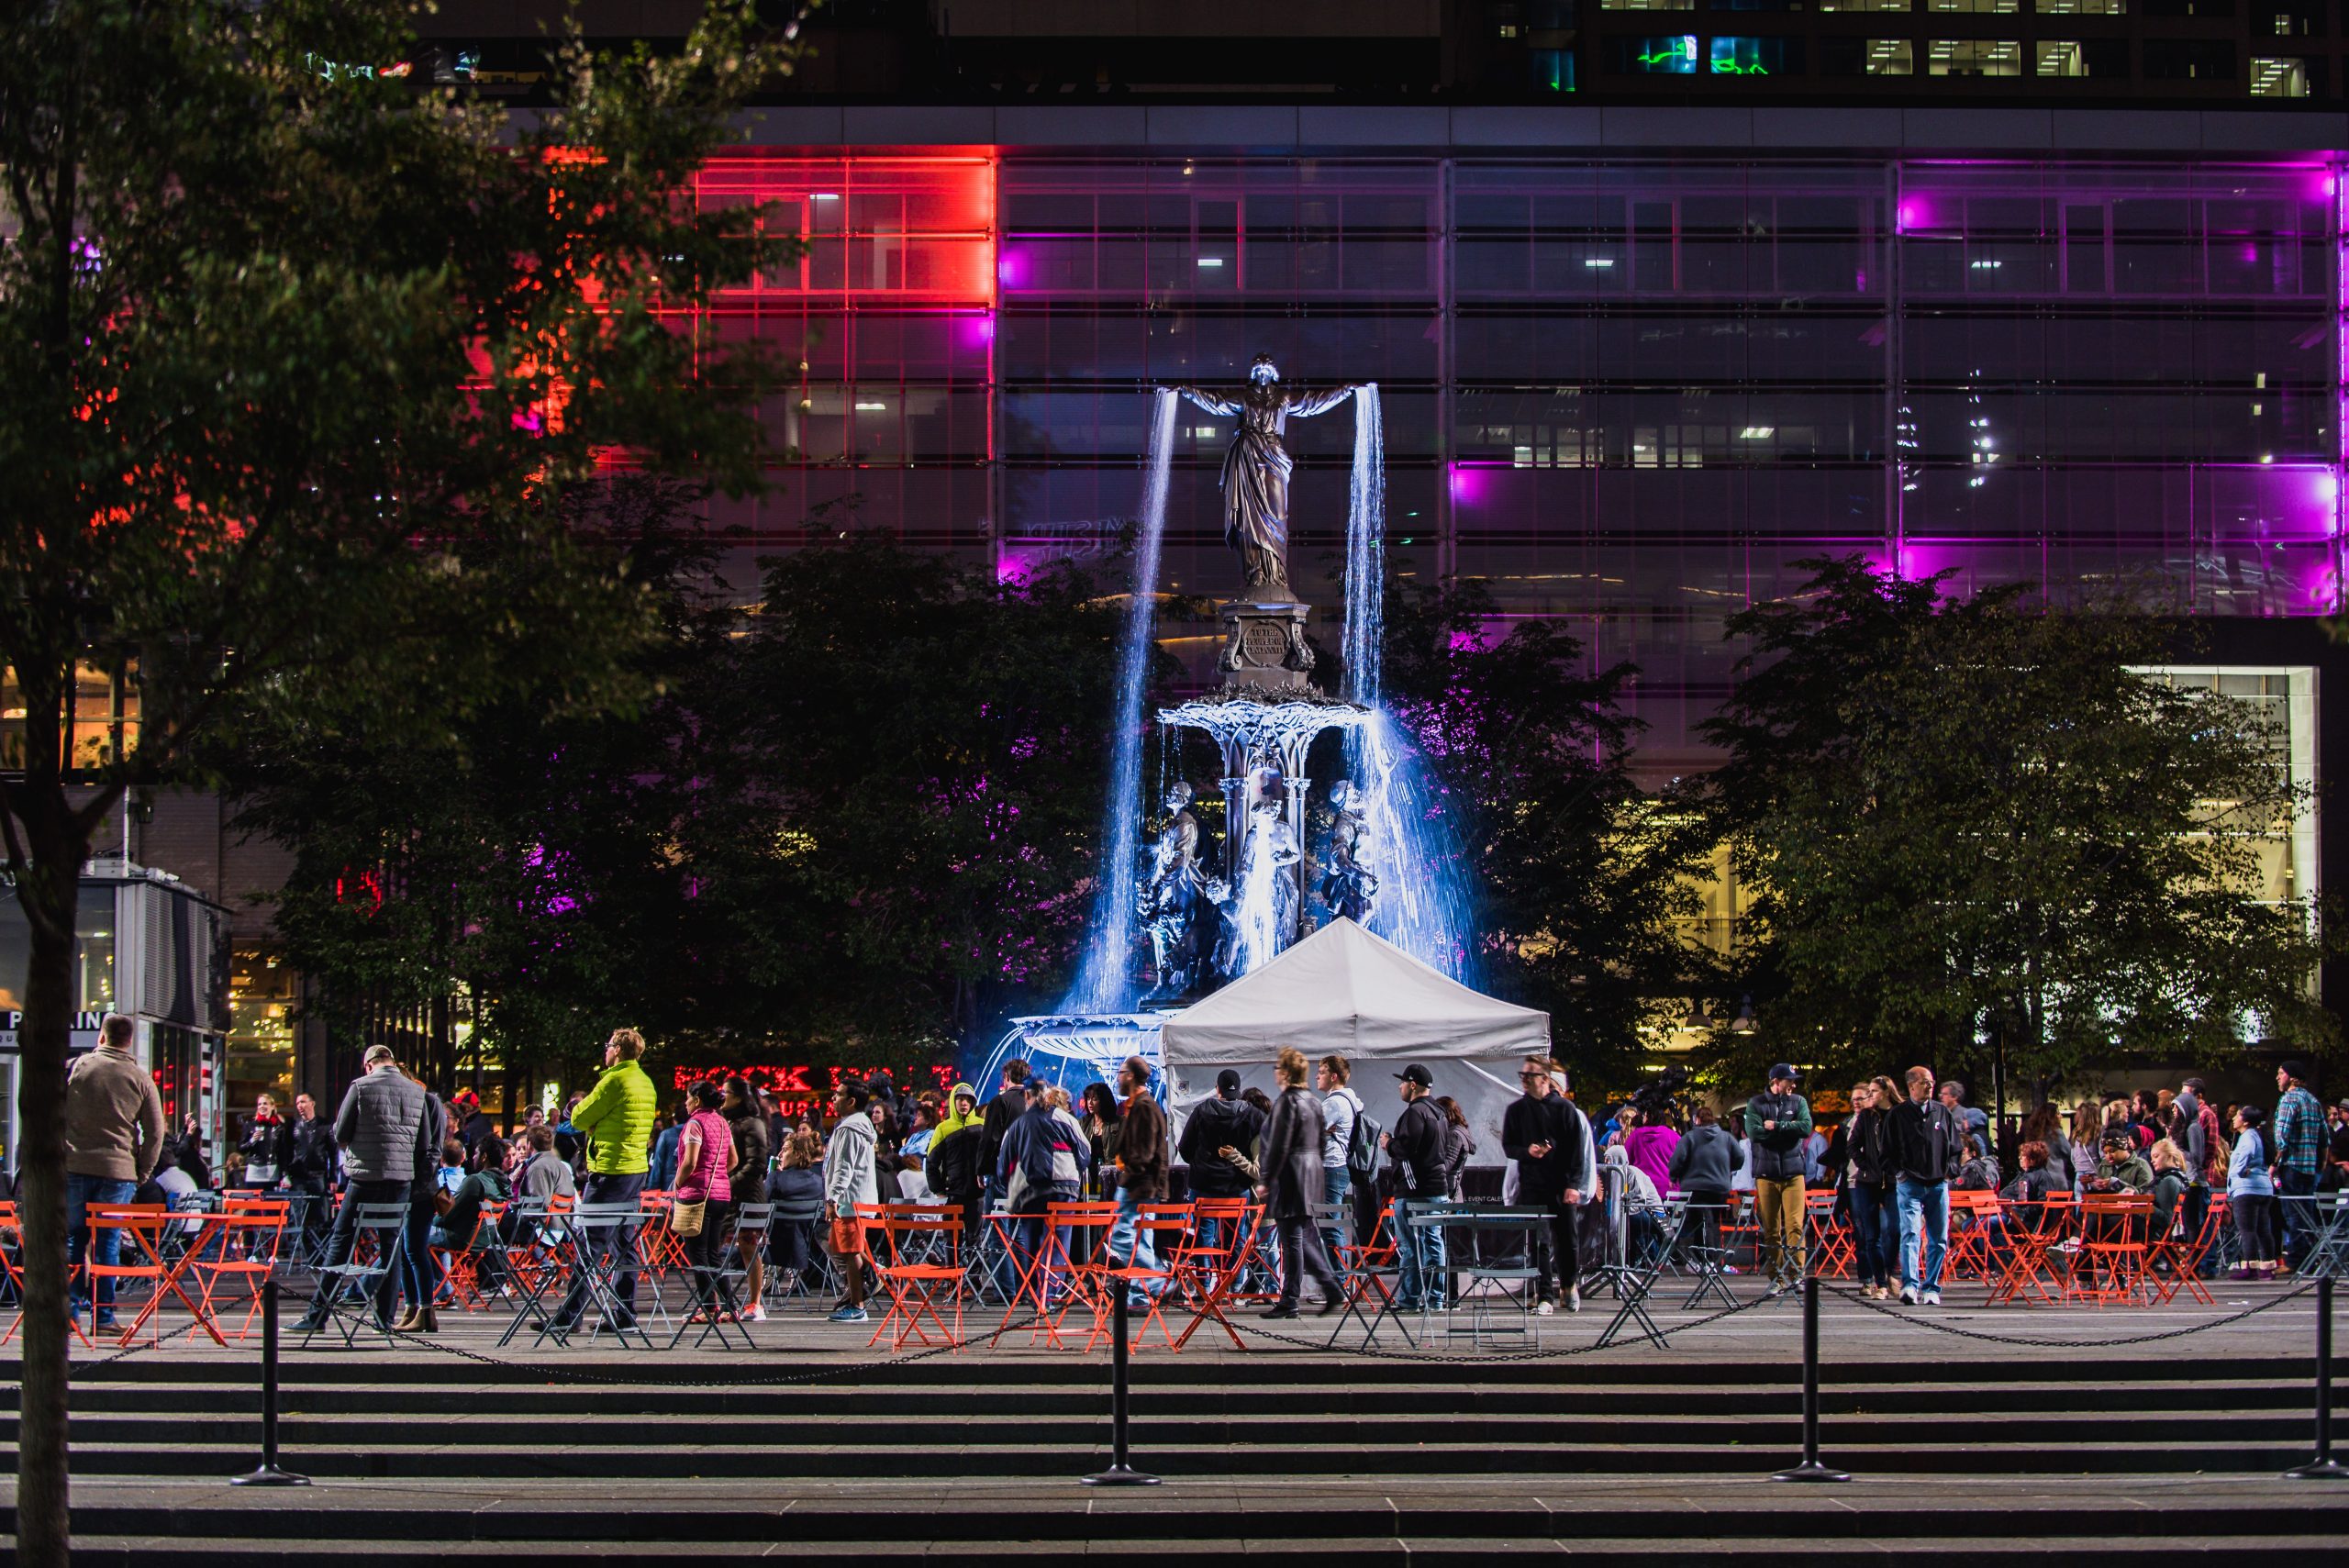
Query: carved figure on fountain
column 1175, row 911
column 1256, row 469
column 1349, row 887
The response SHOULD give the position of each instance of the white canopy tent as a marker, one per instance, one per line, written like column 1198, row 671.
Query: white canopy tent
column 1347, row 991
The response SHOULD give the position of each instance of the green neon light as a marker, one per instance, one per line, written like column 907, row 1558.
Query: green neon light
column 1732, row 68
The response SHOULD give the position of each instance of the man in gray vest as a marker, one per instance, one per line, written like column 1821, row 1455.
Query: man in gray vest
column 378, row 1127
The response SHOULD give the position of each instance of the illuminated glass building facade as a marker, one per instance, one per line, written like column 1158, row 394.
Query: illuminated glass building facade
column 1626, row 382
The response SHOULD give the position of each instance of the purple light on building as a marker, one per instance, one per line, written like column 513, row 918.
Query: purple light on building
column 1468, row 485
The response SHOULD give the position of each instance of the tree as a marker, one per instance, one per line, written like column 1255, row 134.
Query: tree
column 522, row 859
column 287, row 344
column 1987, row 821
column 900, row 798
column 1583, row 884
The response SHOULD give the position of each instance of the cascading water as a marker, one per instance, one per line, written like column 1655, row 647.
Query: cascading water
column 1422, row 902
column 1103, row 979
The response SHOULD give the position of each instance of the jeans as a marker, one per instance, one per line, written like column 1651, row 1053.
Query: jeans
column 81, row 1192
column 603, row 1240
column 1924, row 1209
column 346, row 1235
column 1876, row 1233
column 418, row 1275
column 2295, row 1214
column 1127, row 1249
column 1557, row 1259
column 1418, row 1249
column 1336, row 1182
column 1778, row 1212
column 1030, row 1236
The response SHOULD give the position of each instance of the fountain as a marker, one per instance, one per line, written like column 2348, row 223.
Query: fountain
column 1211, row 917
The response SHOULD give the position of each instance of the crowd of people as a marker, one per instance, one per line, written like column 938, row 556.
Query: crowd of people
column 1892, row 1160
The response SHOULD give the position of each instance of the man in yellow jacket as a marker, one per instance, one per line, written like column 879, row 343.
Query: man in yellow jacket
column 617, row 1120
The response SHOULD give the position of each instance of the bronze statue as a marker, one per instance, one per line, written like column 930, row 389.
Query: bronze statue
column 1256, row 470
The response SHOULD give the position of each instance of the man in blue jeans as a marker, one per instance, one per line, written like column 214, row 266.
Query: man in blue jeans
column 114, row 1136
column 1144, row 1158
column 1339, row 1106
column 2297, row 1150
column 1929, row 1142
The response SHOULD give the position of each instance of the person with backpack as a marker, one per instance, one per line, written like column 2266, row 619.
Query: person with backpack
column 1039, row 1166
column 1349, row 1143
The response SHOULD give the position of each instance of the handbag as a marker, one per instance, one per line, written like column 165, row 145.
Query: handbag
column 686, row 1218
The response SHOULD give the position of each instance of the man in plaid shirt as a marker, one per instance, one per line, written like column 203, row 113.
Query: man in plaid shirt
column 2299, row 1144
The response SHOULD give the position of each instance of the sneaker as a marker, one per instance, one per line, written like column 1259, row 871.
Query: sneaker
column 1775, row 1287
column 1908, row 1295
column 757, row 1313
column 1574, row 1299
column 1728, row 1268
column 847, row 1314
column 1932, row 1299
column 1546, row 1310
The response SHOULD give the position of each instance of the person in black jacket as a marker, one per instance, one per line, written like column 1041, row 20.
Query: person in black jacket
column 1293, row 1184
column 265, row 1147
column 1227, row 1121
column 1540, row 1131
column 1867, row 1169
column 1415, row 1154
column 310, row 1168
column 1929, row 1143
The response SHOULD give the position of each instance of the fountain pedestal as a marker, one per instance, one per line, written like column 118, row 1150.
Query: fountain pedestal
column 1265, row 650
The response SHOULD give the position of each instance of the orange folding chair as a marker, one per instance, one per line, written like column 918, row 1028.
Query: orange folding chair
column 12, row 1252
column 457, row 1270
column 1973, row 1220
column 2031, row 1247
column 919, row 1255
column 2184, row 1255
column 2113, row 1249
column 1162, row 1227
column 1038, row 1268
column 1207, row 1273
column 239, row 1243
column 1832, row 1250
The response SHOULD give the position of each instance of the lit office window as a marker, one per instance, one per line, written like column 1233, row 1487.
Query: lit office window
column 2059, row 57
column 1974, row 57
column 2082, row 7
column 2280, row 78
column 1756, row 57
column 1891, row 57
column 1863, row 5
column 1658, row 57
column 1647, row 5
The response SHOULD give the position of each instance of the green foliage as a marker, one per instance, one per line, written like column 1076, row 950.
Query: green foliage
column 1580, row 879
column 899, row 834
column 1981, row 819
column 295, row 362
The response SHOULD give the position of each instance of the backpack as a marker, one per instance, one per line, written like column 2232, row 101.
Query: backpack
column 1362, row 1148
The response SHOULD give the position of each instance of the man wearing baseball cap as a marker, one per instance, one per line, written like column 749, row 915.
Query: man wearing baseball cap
column 1778, row 1123
column 1415, row 1154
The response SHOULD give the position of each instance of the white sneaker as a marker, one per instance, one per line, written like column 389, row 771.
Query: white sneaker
column 1574, row 1299
column 757, row 1313
column 1932, row 1299
column 1908, row 1295
column 1545, row 1309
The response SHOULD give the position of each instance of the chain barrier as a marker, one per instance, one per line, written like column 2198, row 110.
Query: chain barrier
column 1888, row 1311
column 1608, row 1341
column 788, row 1379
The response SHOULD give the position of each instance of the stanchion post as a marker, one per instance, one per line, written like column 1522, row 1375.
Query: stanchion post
column 1810, row 1469
column 269, row 1475
column 1120, row 1472
column 2323, row 1467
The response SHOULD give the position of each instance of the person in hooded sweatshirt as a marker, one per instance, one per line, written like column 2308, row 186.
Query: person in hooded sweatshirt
column 1225, row 1121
